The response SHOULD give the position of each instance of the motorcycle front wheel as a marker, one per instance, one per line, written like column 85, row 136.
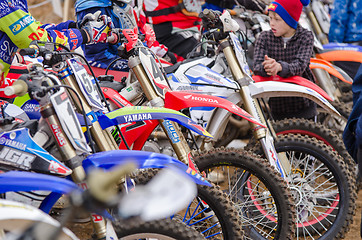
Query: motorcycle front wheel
column 211, row 212
column 259, row 193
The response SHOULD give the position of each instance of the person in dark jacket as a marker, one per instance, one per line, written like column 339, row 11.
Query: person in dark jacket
column 352, row 135
column 285, row 50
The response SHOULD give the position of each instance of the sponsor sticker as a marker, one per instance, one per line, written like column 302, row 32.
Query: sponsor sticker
column 201, row 99
column 171, row 131
column 18, row 157
column 137, row 117
column 21, row 24
column 58, row 135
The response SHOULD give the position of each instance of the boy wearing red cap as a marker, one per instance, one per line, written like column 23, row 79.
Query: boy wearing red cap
column 285, row 50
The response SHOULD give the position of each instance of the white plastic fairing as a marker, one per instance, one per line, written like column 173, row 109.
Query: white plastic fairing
column 321, row 15
column 230, row 25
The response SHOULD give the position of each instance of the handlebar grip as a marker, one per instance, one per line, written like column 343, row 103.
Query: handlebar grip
column 19, row 88
column 102, row 184
column 209, row 14
column 28, row 51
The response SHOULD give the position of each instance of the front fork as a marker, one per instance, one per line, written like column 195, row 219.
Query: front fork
column 281, row 163
column 102, row 138
column 72, row 160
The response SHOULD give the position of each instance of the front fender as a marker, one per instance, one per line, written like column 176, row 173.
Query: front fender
column 15, row 181
column 281, row 89
column 296, row 80
column 327, row 66
column 137, row 113
column 109, row 159
column 181, row 100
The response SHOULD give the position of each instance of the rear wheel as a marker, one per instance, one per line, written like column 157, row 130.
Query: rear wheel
column 333, row 122
column 261, row 196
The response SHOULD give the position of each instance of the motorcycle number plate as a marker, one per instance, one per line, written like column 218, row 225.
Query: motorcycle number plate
column 153, row 72
column 240, row 54
column 86, row 84
column 69, row 121
column 321, row 15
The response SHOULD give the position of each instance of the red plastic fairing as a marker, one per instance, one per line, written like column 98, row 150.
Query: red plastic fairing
column 115, row 97
column 296, row 80
column 135, row 133
column 180, row 100
column 341, row 55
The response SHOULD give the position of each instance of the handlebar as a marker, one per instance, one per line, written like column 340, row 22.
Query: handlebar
column 38, row 83
column 50, row 56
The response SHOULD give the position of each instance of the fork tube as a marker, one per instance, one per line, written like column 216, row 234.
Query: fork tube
column 72, row 160
column 253, row 108
column 103, row 138
column 171, row 129
column 249, row 103
column 64, row 145
column 327, row 83
column 142, row 77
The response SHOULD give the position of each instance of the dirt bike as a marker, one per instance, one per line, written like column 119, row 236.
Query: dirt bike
column 194, row 76
column 25, row 221
column 22, row 145
column 220, row 29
